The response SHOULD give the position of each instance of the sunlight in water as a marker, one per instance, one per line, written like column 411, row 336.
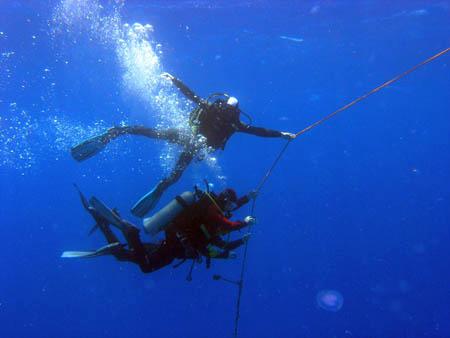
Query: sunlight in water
column 138, row 54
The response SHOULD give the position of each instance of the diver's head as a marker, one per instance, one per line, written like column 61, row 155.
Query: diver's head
column 227, row 200
column 233, row 102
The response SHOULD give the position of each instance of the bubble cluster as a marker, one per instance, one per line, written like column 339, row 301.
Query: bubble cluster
column 16, row 138
column 139, row 57
column 76, row 17
column 138, row 54
column 68, row 132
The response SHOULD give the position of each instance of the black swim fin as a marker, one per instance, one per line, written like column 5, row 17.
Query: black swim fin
column 90, row 147
column 106, row 212
column 147, row 202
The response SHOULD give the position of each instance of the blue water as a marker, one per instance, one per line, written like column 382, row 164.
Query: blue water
column 359, row 205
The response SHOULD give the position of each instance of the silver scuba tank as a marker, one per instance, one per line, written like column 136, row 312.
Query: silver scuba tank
column 159, row 221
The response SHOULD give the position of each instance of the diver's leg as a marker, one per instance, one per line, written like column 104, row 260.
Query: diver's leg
column 94, row 145
column 108, row 233
column 171, row 135
column 149, row 256
column 111, row 238
column 131, row 234
column 183, row 161
column 157, row 259
column 149, row 201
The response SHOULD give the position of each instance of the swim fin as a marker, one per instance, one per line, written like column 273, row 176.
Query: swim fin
column 90, row 147
column 106, row 212
column 109, row 249
column 147, row 202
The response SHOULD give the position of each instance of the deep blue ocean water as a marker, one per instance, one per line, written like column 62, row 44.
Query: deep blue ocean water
column 359, row 205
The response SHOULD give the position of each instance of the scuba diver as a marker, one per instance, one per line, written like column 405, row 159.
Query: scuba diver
column 185, row 238
column 203, row 221
column 213, row 121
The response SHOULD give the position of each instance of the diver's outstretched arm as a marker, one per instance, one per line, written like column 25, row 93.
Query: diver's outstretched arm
column 183, row 88
column 245, row 199
column 225, row 247
column 224, row 254
column 229, row 245
column 258, row 131
column 224, row 224
column 263, row 132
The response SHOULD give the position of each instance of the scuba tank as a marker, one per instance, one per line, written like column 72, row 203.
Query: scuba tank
column 159, row 221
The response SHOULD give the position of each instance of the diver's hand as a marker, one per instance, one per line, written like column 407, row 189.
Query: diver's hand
column 288, row 136
column 252, row 194
column 167, row 76
column 249, row 220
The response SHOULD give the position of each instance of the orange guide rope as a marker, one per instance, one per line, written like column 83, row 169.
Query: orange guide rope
column 373, row 91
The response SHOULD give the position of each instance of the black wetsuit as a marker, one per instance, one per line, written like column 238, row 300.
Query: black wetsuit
column 218, row 123
column 149, row 256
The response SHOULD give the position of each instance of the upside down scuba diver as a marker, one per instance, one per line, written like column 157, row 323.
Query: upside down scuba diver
column 193, row 224
column 213, row 121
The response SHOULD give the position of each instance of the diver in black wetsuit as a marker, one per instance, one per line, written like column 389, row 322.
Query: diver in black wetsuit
column 212, row 124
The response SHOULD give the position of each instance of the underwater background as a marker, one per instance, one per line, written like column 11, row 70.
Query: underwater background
column 359, row 205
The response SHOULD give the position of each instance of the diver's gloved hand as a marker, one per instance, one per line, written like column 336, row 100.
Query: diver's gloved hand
column 252, row 194
column 288, row 136
column 167, row 76
column 249, row 220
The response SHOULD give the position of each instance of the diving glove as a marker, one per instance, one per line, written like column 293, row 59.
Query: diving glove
column 288, row 136
column 249, row 220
